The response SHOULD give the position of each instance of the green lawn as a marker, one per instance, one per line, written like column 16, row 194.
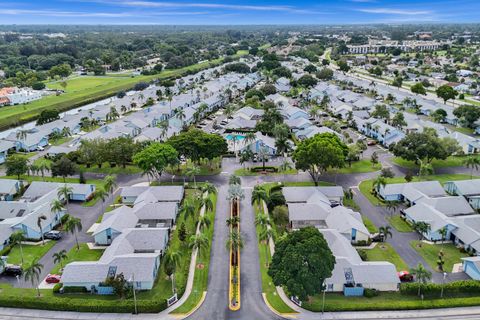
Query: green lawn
column 385, row 301
column 430, row 252
column 400, row 224
column 205, row 170
column 30, row 253
column 106, row 169
column 84, row 90
column 267, row 284
column 361, row 166
column 366, row 185
column 351, row 204
column 453, row 161
column 200, row 280
column 84, row 254
column 385, row 252
column 60, row 141
column 369, row 224
column 247, row 172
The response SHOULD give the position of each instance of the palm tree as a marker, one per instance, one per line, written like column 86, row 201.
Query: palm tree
column 283, row 146
column 443, row 233
column 59, row 257
column 204, row 222
column 385, row 232
column 74, row 225
column 109, row 183
column 422, row 228
column 234, row 180
column 199, row 242
column 100, row 193
column 39, row 224
column 473, row 163
column 17, row 238
column 209, row 188
column 264, row 236
column 56, row 206
column 233, row 221
column 172, row 262
column 250, row 137
column 234, row 243
column 188, row 209
column 22, row 135
column 192, row 172
column 181, row 116
column 207, row 202
column 65, row 191
column 392, row 206
column 422, row 275
column 42, row 166
column 258, row 195
column 245, row 156
column 123, row 109
column 378, row 183
column 263, row 155
column 164, row 126
column 32, row 273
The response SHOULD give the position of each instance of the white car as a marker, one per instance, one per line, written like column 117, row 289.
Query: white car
column 40, row 148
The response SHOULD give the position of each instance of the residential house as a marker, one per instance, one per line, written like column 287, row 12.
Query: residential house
column 9, row 188
column 470, row 189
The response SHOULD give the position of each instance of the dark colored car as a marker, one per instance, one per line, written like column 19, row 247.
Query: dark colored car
column 12, row 270
column 53, row 235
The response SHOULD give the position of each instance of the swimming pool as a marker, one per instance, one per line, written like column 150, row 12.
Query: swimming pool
column 230, row 137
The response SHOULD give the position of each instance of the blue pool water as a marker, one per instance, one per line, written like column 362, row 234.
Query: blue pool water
column 230, row 137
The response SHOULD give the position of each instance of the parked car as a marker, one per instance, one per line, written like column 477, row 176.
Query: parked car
column 12, row 270
column 53, row 235
column 371, row 142
column 52, row 278
column 40, row 148
column 405, row 276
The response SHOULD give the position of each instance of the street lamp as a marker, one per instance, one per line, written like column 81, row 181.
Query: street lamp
column 443, row 284
column 132, row 280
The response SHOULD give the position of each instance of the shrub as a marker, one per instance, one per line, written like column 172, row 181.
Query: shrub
column 452, row 289
column 275, row 199
column 267, row 169
column 57, row 287
column 363, row 255
column 74, row 289
column 370, row 293
column 363, row 243
column 276, row 188
column 5, row 251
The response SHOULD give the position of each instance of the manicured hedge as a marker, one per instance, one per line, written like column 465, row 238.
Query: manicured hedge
column 452, row 289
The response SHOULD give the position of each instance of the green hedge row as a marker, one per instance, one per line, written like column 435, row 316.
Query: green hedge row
column 452, row 289
column 80, row 305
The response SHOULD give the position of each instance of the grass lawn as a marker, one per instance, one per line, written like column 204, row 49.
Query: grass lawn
column 84, row 254
column 430, row 252
column 453, row 161
column 385, row 252
column 369, row 224
column 361, row 166
column 385, row 301
column 200, row 280
column 88, row 89
column 247, row 172
column 205, row 170
column 366, row 185
column 106, row 169
column 60, row 141
column 267, row 284
column 30, row 253
column 400, row 224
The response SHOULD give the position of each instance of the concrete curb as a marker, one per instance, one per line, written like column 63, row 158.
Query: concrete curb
column 186, row 315
column 283, row 315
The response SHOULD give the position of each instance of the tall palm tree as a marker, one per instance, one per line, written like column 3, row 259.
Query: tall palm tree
column 59, row 257
column 32, row 273
column 43, row 166
column 65, row 191
column 392, row 206
column 204, row 222
column 422, row 228
column 443, row 233
column 263, row 156
column 258, row 195
column 235, row 243
column 100, row 193
column 378, row 183
column 264, row 236
column 188, row 209
column 17, row 238
column 56, row 206
column 209, row 188
column 207, row 202
column 473, row 163
column 234, row 180
column 192, row 172
column 262, row 220
column 109, row 183
column 180, row 115
column 41, row 218
column 233, row 221
column 199, row 242
column 422, row 275
column 250, row 137
column 172, row 262
column 386, row 232
column 74, row 225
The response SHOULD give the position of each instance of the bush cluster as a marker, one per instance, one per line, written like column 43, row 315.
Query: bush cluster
column 452, row 289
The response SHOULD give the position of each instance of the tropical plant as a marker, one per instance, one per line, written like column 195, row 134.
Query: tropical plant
column 65, row 191
column 235, row 243
column 233, row 221
column 207, row 202
column 209, row 188
column 204, row 222
column 41, row 218
column 422, row 275
column 109, row 183
column 17, row 238
column 59, row 257
column 234, row 180
column 265, row 235
column 32, row 273
column 100, row 193
column 259, row 195
column 392, row 206
column 386, row 232
column 188, row 209
column 74, row 225
column 199, row 242
column 378, row 183
column 473, row 163
column 235, row 192
column 262, row 220
column 192, row 172
column 422, row 228
column 172, row 262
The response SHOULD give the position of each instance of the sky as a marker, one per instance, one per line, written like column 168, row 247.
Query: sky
column 230, row 12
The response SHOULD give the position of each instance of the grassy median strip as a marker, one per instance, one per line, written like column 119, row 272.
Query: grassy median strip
column 200, row 280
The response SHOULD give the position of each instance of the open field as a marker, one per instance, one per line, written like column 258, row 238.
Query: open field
column 89, row 90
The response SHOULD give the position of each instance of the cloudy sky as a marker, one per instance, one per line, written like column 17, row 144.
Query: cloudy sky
column 237, row 12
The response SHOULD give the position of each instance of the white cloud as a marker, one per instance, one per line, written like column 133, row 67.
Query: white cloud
column 56, row 13
column 396, row 11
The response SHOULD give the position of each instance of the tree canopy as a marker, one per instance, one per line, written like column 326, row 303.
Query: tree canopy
column 468, row 115
column 301, row 262
column 421, row 146
column 155, row 158
column 197, row 144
